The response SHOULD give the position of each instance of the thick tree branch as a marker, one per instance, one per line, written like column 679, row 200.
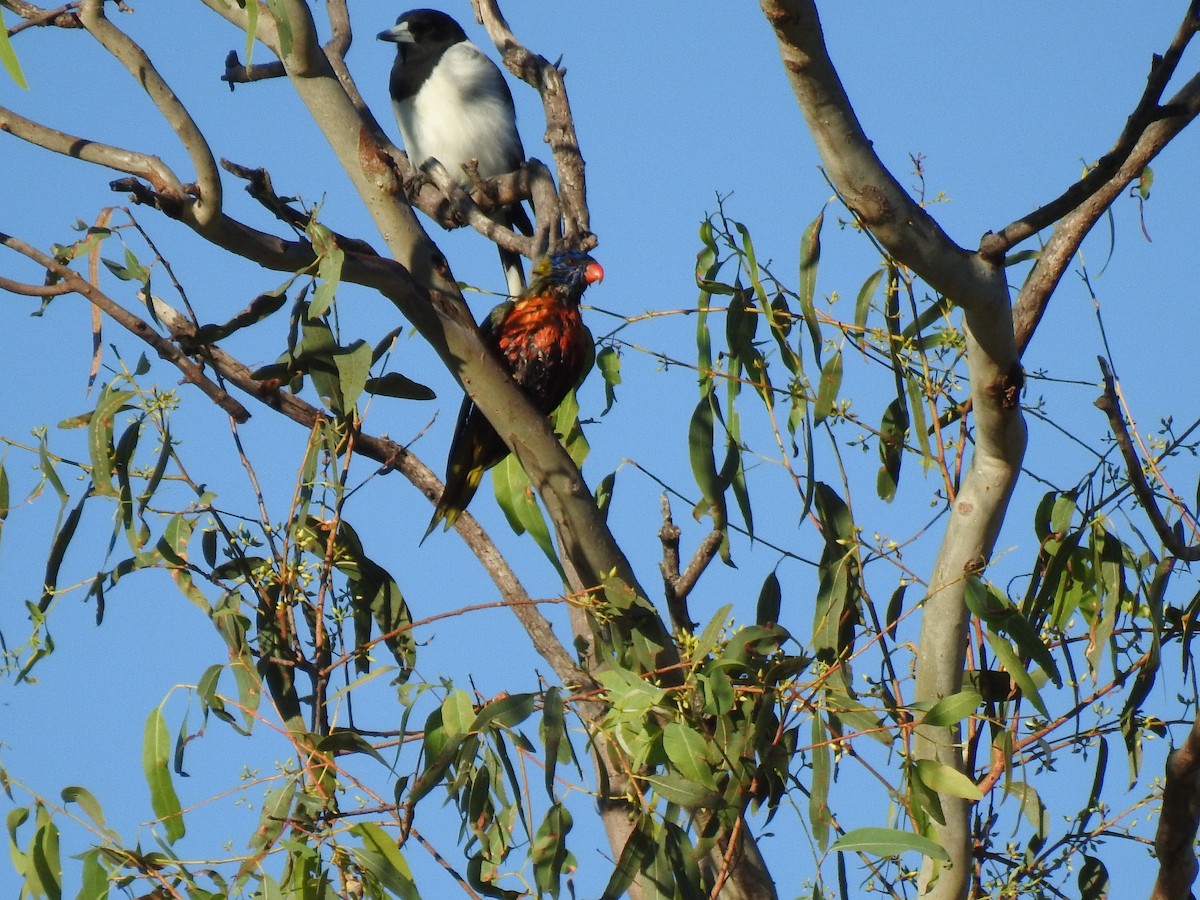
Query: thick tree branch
column 904, row 228
column 207, row 205
column 149, row 168
column 1175, row 840
column 35, row 16
column 911, row 236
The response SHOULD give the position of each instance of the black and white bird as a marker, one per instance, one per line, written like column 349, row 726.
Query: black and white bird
column 453, row 104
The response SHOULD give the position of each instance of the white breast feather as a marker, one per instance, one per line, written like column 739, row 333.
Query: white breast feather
column 454, row 125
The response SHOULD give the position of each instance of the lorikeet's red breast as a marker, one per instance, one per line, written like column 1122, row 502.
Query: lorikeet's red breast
column 543, row 344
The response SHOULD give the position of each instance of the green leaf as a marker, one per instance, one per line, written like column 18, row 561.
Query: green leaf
column 640, row 847
column 507, row 712
column 888, row 842
column 44, row 855
column 549, row 850
column 770, row 599
column 687, row 751
column 251, row 29
column 1032, row 806
column 272, row 820
column 862, row 306
column 393, row 384
column 258, row 309
column 1016, row 669
column 93, row 879
column 685, row 792
column 58, row 550
column 156, row 756
column 892, row 434
column 283, row 25
column 821, row 756
column 514, row 493
column 945, row 780
column 704, row 465
column 952, row 710
column 100, row 434
column 828, row 387
column 381, row 857
column 1093, row 879
column 608, row 361
column 329, row 255
column 8, row 58
column 553, row 730
column 4, row 500
column 810, row 256
column 88, row 803
column 353, row 366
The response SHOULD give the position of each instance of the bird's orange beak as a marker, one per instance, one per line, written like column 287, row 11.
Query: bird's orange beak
column 593, row 273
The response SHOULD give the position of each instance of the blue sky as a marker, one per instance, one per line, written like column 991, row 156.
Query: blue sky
column 674, row 106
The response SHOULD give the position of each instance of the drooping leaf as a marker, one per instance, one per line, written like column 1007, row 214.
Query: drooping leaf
column 888, row 842
column 393, row 384
column 156, row 756
column 892, row 434
column 820, row 817
column 810, row 256
column 828, row 387
column 770, row 598
column 353, row 366
column 946, row 780
column 1093, row 879
column 549, row 850
column 862, row 305
column 8, row 58
column 381, row 856
column 608, row 361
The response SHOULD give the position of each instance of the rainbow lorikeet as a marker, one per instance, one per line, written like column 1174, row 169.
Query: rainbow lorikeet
column 541, row 340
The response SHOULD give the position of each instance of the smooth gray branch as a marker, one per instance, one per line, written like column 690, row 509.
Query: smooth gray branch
column 206, row 205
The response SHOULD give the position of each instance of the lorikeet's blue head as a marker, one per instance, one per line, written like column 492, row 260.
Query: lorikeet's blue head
column 572, row 269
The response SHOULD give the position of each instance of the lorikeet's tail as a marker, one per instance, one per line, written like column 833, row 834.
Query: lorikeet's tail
column 474, row 449
column 460, row 488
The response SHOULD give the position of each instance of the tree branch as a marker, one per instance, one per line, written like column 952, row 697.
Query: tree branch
column 547, row 79
column 1175, row 839
column 1148, row 111
column 910, row 235
column 62, row 17
column 207, row 205
column 908, row 232
column 141, row 165
column 72, row 281
column 1052, row 262
column 1111, row 407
